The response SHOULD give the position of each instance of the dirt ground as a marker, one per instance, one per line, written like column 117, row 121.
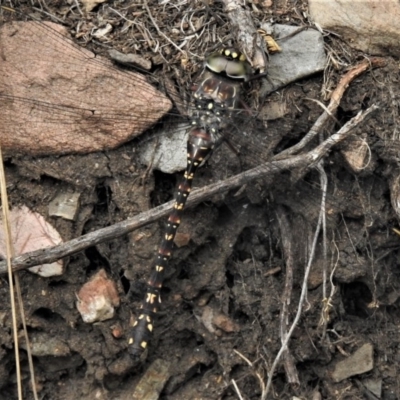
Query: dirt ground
column 235, row 281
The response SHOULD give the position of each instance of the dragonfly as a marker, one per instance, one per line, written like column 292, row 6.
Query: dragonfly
column 218, row 93
column 59, row 113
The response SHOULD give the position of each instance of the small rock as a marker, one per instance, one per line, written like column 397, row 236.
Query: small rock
column 372, row 26
column 359, row 362
column 130, row 60
column 65, row 205
column 116, row 331
column 357, row 153
column 91, row 4
column 43, row 344
column 374, row 386
column 153, row 381
column 102, row 32
column 182, row 239
column 213, row 319
column 302, row 55
column 167, row 153
column 97, row 298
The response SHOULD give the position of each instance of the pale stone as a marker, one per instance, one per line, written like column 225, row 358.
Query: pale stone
column 372, row 26
column 98, row 298
column 302, row 54
column 358, row 363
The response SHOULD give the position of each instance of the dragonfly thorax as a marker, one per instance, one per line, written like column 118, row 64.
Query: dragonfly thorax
column 218, row 89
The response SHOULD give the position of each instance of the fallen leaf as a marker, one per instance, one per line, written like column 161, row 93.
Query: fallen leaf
column 30, row 232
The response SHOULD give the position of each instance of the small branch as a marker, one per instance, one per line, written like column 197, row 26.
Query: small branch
column 346, row 128
column 160, row 32
column 303, row 296
column 337, row 94
column 287, row 245
column 257, row 374
column 249, row 41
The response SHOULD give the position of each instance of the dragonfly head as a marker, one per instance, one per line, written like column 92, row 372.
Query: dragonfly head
column 230, row 63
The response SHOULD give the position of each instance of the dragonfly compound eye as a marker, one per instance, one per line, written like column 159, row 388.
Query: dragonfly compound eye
column 230, row 63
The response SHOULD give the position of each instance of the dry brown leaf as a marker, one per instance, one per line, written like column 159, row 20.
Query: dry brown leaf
column 30, row 232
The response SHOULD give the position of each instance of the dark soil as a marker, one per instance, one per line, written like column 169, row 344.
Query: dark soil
column 225, row 289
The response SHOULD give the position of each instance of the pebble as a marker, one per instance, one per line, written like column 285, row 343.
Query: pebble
column 359, row 362
column 43, row 344
column 65, row 205
column 153, row 381
column 98, row 298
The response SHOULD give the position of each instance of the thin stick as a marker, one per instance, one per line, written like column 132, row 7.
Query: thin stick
column 259, row 377
column 9, row 255
column 287, row 245
column 10, row 252
column 324, row 188
column 271, row 168
column 337, row 94
column 327, row 301
column 160, row 32
column 303, row 295
column 250, row 42
column 26, row 336
column 234, row 384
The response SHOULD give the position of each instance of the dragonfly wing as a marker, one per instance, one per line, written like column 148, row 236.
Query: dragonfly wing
column 80, row 103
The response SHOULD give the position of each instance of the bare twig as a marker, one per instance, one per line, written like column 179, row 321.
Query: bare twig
column 160, row 32
column 250, row 42
column 257, row 374
column 303, row 296
column 337, row 94
column 11, row 281
column 271, row 168
column 327, row 301
column 234, row 384
column 287, row 245
column 324, row 188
